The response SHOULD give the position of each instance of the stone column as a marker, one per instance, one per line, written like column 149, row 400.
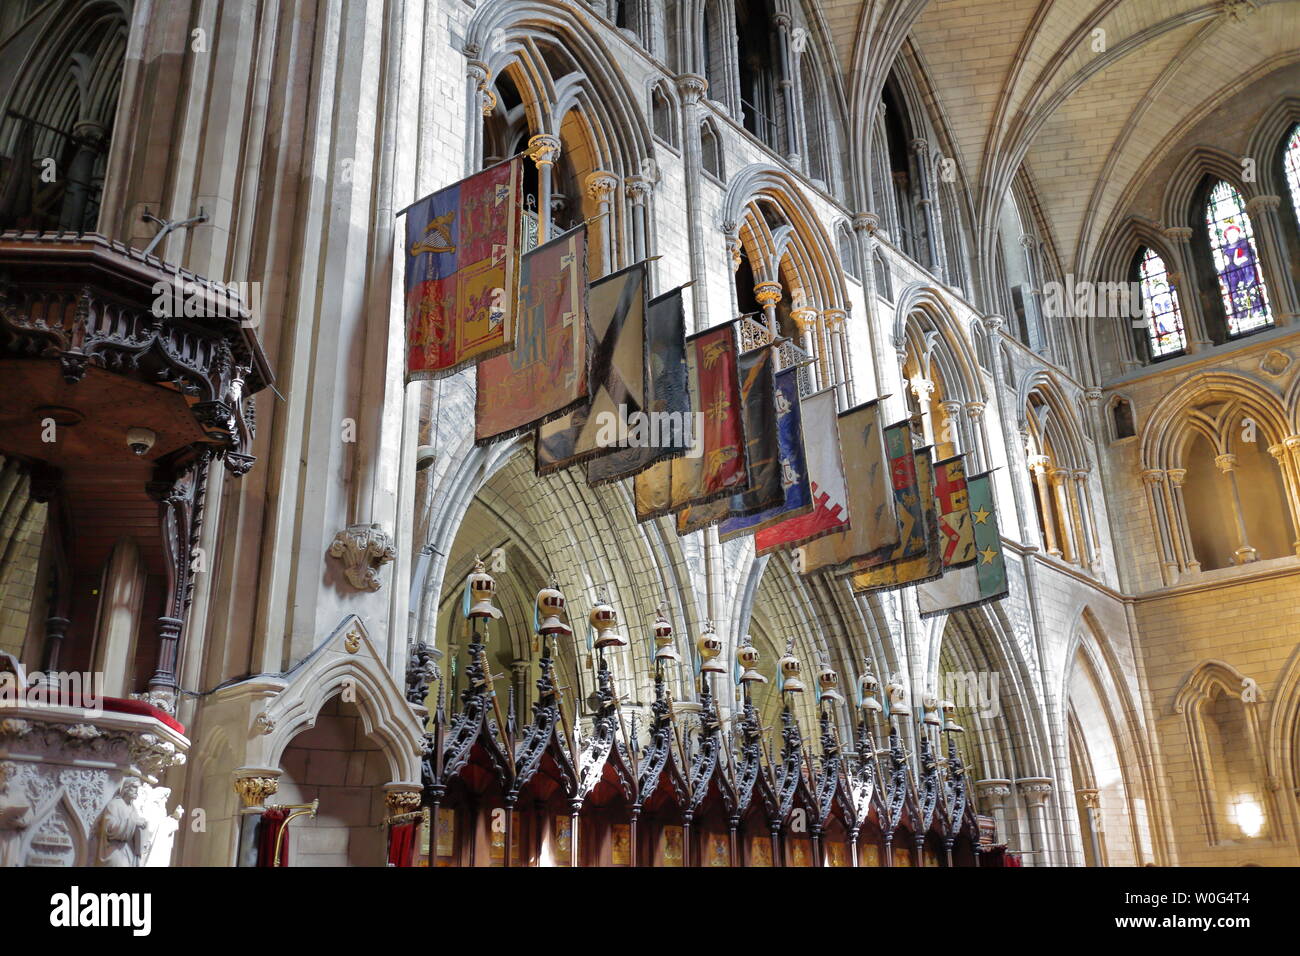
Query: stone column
column 1287, row 455
column 833, row 320
column 768, row 294
column 692, row 88
column 923, row 389
column 1090, row 550
column 638, row 188
column 89, row 139
column 544, row 150
column 806, row 321
column 1181, row 531
column 520, row 671
column 864, row 228
column 600, row 188
column 951, row 430
column 793, row 110
column 1090, row 798
column 1036, row 791
column 992, row 794
column 1154, row 480
column 979, row 444
column 1059, row 479
column 1039, row 465
column 925, row 200
column 480, row 102
column 255, row 786
column 1228, row 465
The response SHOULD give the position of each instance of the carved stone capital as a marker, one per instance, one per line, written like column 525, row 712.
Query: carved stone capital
column 692, row 87
column 638, row 188
column 544, row 149
column 1178, row 234
column 1040, row 464
column 363, row 549
column 601, row 185
column 1260, row 204
column 401, row 798
column 922, row 388
column 866, row 221
column 1152, row 476
column 975, row 410
column 804, row 319
column 1090, row 797
column 1225, row 463
column 256, row 785
column 767, row 293
column 1035, row 790
column 993, row 792
column 1176, row 476
column 834, row 319
column 994, row 323
column 1093, row 396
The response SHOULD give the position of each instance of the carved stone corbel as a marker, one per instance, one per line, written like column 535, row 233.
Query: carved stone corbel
column 363, row 549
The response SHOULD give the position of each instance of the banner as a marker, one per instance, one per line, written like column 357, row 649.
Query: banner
column 983, row 580
column 955, row 532
column 796, row 498
column 462, row 263
column 616, row 321
column 821, row 447
column 763, row 489
column 546, row 373
column 663, row 432
column 715, row 466
column 919, row 556
column 873, row 526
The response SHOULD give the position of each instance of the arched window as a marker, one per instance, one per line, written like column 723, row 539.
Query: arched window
column 814, row 107
column 760, row 70
column 661, row 114
column 1291, row 165
column 1160, row 306
column 1121, row 419
column 710, row 150
column 848, row 262
column 1236, row 261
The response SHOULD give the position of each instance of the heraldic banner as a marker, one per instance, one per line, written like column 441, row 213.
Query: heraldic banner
column 796, row 494
column 546, row 373
column 715, row 467
column 616, row 308
column 830, row 513
column 462, row 264
column 873, row 526
column 763, row 489
column 664, row 431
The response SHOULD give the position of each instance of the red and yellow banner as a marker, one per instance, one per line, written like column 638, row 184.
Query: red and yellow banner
column 462, row 282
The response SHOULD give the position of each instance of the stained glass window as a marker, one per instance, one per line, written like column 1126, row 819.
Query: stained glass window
column 1236, row 260
column 1291, row 163
column 1160, row 306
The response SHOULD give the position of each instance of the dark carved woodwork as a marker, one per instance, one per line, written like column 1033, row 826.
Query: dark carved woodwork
column 421, row 671
column 544, row 734
column 790, row 772
column 180, row 490
column 85, row 302
column 929, row 783
column 475, row 723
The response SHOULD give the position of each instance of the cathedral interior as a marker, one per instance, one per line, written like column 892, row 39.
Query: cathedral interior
column 268, row 600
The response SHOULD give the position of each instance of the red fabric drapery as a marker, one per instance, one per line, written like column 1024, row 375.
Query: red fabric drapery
column 271, row 824
column 401, row 843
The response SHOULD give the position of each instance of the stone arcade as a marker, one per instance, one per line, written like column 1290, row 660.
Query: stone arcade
column 230, row 510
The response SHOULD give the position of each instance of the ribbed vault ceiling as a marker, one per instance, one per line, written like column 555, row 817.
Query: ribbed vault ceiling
column 1020, row 80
